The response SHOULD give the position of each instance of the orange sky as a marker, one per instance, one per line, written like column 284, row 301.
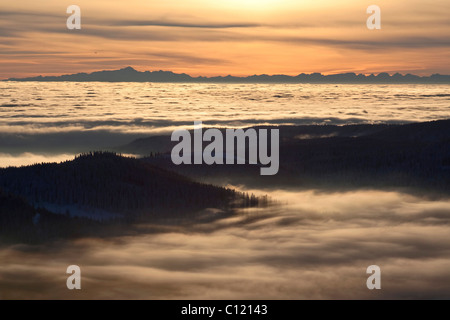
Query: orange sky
column 216, row 37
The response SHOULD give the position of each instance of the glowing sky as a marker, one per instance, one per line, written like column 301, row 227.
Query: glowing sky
column 216, row 37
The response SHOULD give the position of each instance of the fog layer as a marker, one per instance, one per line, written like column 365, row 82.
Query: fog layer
column 310, row 245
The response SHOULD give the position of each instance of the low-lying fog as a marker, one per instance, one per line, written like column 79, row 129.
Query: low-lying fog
column 310, row 245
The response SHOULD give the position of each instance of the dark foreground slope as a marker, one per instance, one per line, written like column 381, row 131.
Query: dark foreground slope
column 120, row 189
column 413, row 157
column 102, row 194
column 22, row 222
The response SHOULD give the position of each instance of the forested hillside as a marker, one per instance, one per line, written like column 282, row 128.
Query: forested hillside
column 108, row 183
column 414, row 157
column 22, row 222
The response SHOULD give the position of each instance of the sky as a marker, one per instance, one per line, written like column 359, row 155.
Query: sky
column 237, row 37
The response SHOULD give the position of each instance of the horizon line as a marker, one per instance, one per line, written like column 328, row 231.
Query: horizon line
column 130, row 68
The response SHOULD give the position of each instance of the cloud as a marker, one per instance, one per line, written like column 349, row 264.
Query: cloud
column 181, row 24
column 376, row 44
column 28, row 14
column 29, row 52
column 313, row 246
column 24, row 159
column 217, row 39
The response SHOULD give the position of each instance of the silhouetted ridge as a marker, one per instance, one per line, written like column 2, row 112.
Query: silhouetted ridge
column 412, row 156
column 129, row 74
column 114, row 184
column 22, row 222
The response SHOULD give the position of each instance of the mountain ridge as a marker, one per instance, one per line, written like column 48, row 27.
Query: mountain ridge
column 113, row 184
column 129, row 74
column 413, row 158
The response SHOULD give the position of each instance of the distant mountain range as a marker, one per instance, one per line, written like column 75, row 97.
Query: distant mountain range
column 129, row 74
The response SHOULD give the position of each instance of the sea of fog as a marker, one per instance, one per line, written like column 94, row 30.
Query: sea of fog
column 310, row 246
column 52, row 121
